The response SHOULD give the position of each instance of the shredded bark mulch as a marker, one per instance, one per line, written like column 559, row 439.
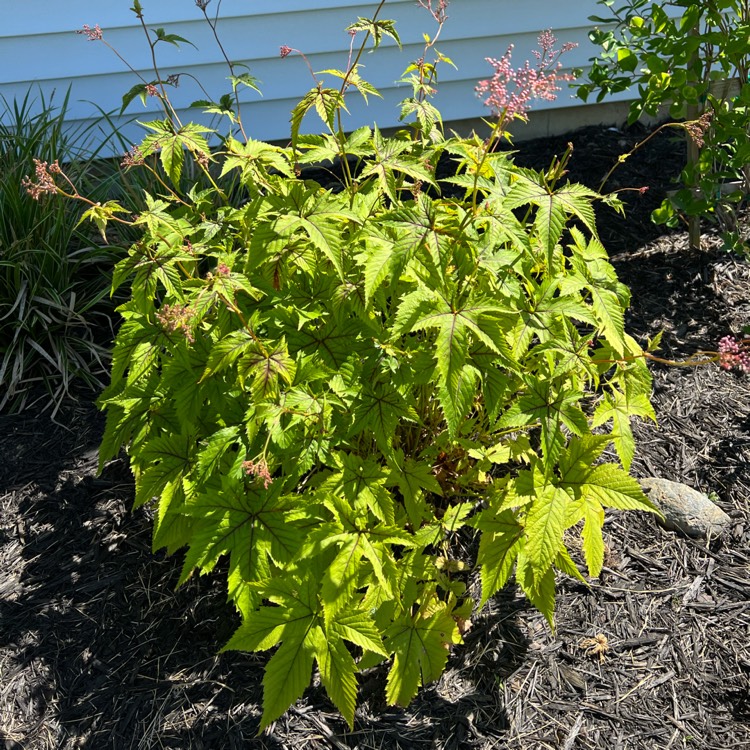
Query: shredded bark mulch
column 98, row 650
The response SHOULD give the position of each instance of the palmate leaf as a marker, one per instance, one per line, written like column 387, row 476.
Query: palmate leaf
column 413, row 307
column 388, row 161
column 255, row 159
column 244, row 79
column 499, row 545
column 363, row 485
column 414, row 478
column 608, row 296
column 538, row 315
column 266, row 367
column 164, row 459
column 227, row 351
column 590, row 489
column 331, row 342
column 380, row 408
column 415, row 227
column 297, row 624
column 321, row 217
column 172, row 144
column 353, row 78
column 337, row 667
column 452, row 343
column 250, row 524
column 581, row 452
column 293, row 623
column 554, row 206
column 377, row 29
column 620, row 407
column 420, row 646
column 363, row 539
column 552, row 405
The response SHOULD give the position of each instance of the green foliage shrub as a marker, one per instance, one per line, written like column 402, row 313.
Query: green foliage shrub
column 325, row 384
column 693, row 57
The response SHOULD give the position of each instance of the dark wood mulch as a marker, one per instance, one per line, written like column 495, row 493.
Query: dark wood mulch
column 97, row 649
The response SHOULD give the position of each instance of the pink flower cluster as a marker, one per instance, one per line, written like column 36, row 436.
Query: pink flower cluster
column 93, row 35
column 733, row 354
column 258, row 469
column 510, row 90
column 45, row 182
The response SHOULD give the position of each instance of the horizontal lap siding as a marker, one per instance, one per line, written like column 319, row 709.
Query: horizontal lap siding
column 41, row 48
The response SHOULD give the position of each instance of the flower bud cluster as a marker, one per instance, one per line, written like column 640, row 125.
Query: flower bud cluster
column 732, row 354
column 45, row 182
column 697, row 129
column 133, row 158
column 177, row 318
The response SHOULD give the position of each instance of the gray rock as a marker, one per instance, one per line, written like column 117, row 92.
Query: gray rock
column 684, row 508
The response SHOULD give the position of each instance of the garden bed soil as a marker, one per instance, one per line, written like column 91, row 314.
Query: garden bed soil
column 98, row 650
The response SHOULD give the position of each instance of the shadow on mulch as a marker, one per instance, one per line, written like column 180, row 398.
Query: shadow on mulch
column 97, row 649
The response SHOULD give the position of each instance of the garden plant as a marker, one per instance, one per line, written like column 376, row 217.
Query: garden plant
column 54, row 275
column 327, row 385
column 694, row 59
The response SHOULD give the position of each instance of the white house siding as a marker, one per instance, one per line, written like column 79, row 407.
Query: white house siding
column 39, row 46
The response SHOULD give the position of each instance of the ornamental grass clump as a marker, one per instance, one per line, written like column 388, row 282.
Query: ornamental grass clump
column 54, row 279
column 325, row 385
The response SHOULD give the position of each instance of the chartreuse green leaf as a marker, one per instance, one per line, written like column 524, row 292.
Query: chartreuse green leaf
column 292, row 624
column 593, row 542
column 538, row 585
column 620, row 406
column 554, row 206
column 414, row 479
column 499, row 545
column 545, row 524
column 253, row 525
column 167, row 459
column 614, row 488
column 420, row 645
column 337, row 672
